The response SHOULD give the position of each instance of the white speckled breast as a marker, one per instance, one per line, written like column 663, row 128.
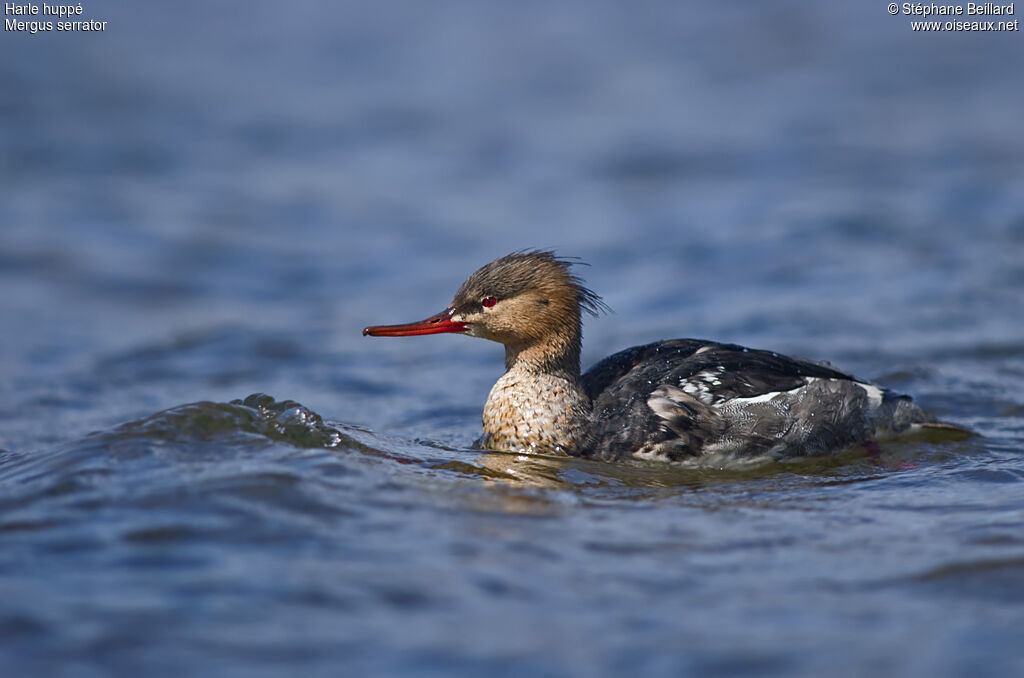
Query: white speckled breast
column 532, row 412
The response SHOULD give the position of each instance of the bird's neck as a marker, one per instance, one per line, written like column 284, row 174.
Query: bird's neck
column 538, row 405
column 556, row 354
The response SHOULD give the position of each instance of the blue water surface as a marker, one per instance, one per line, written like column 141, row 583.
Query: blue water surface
column 210, row 200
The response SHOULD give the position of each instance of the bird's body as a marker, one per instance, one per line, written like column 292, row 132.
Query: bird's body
column 677, row 400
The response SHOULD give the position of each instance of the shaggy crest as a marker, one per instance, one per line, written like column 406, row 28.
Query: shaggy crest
column 515, row 273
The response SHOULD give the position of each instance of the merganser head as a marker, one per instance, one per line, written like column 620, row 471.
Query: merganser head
column 517, row 300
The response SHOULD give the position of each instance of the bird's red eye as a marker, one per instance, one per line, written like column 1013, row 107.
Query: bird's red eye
column 489, row 301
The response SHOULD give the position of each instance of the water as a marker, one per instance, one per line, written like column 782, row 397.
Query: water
column 207, row 202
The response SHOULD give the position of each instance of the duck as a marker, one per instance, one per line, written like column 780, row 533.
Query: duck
column 677, row 400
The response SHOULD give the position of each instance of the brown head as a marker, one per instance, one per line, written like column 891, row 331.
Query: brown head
column 528, row 301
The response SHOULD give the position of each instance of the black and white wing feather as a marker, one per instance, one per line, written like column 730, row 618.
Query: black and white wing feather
column 684, row 399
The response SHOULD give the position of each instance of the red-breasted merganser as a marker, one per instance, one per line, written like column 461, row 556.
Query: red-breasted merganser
column 675, row 400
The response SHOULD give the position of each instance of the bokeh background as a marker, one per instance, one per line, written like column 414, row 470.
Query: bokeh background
column 208, row 200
